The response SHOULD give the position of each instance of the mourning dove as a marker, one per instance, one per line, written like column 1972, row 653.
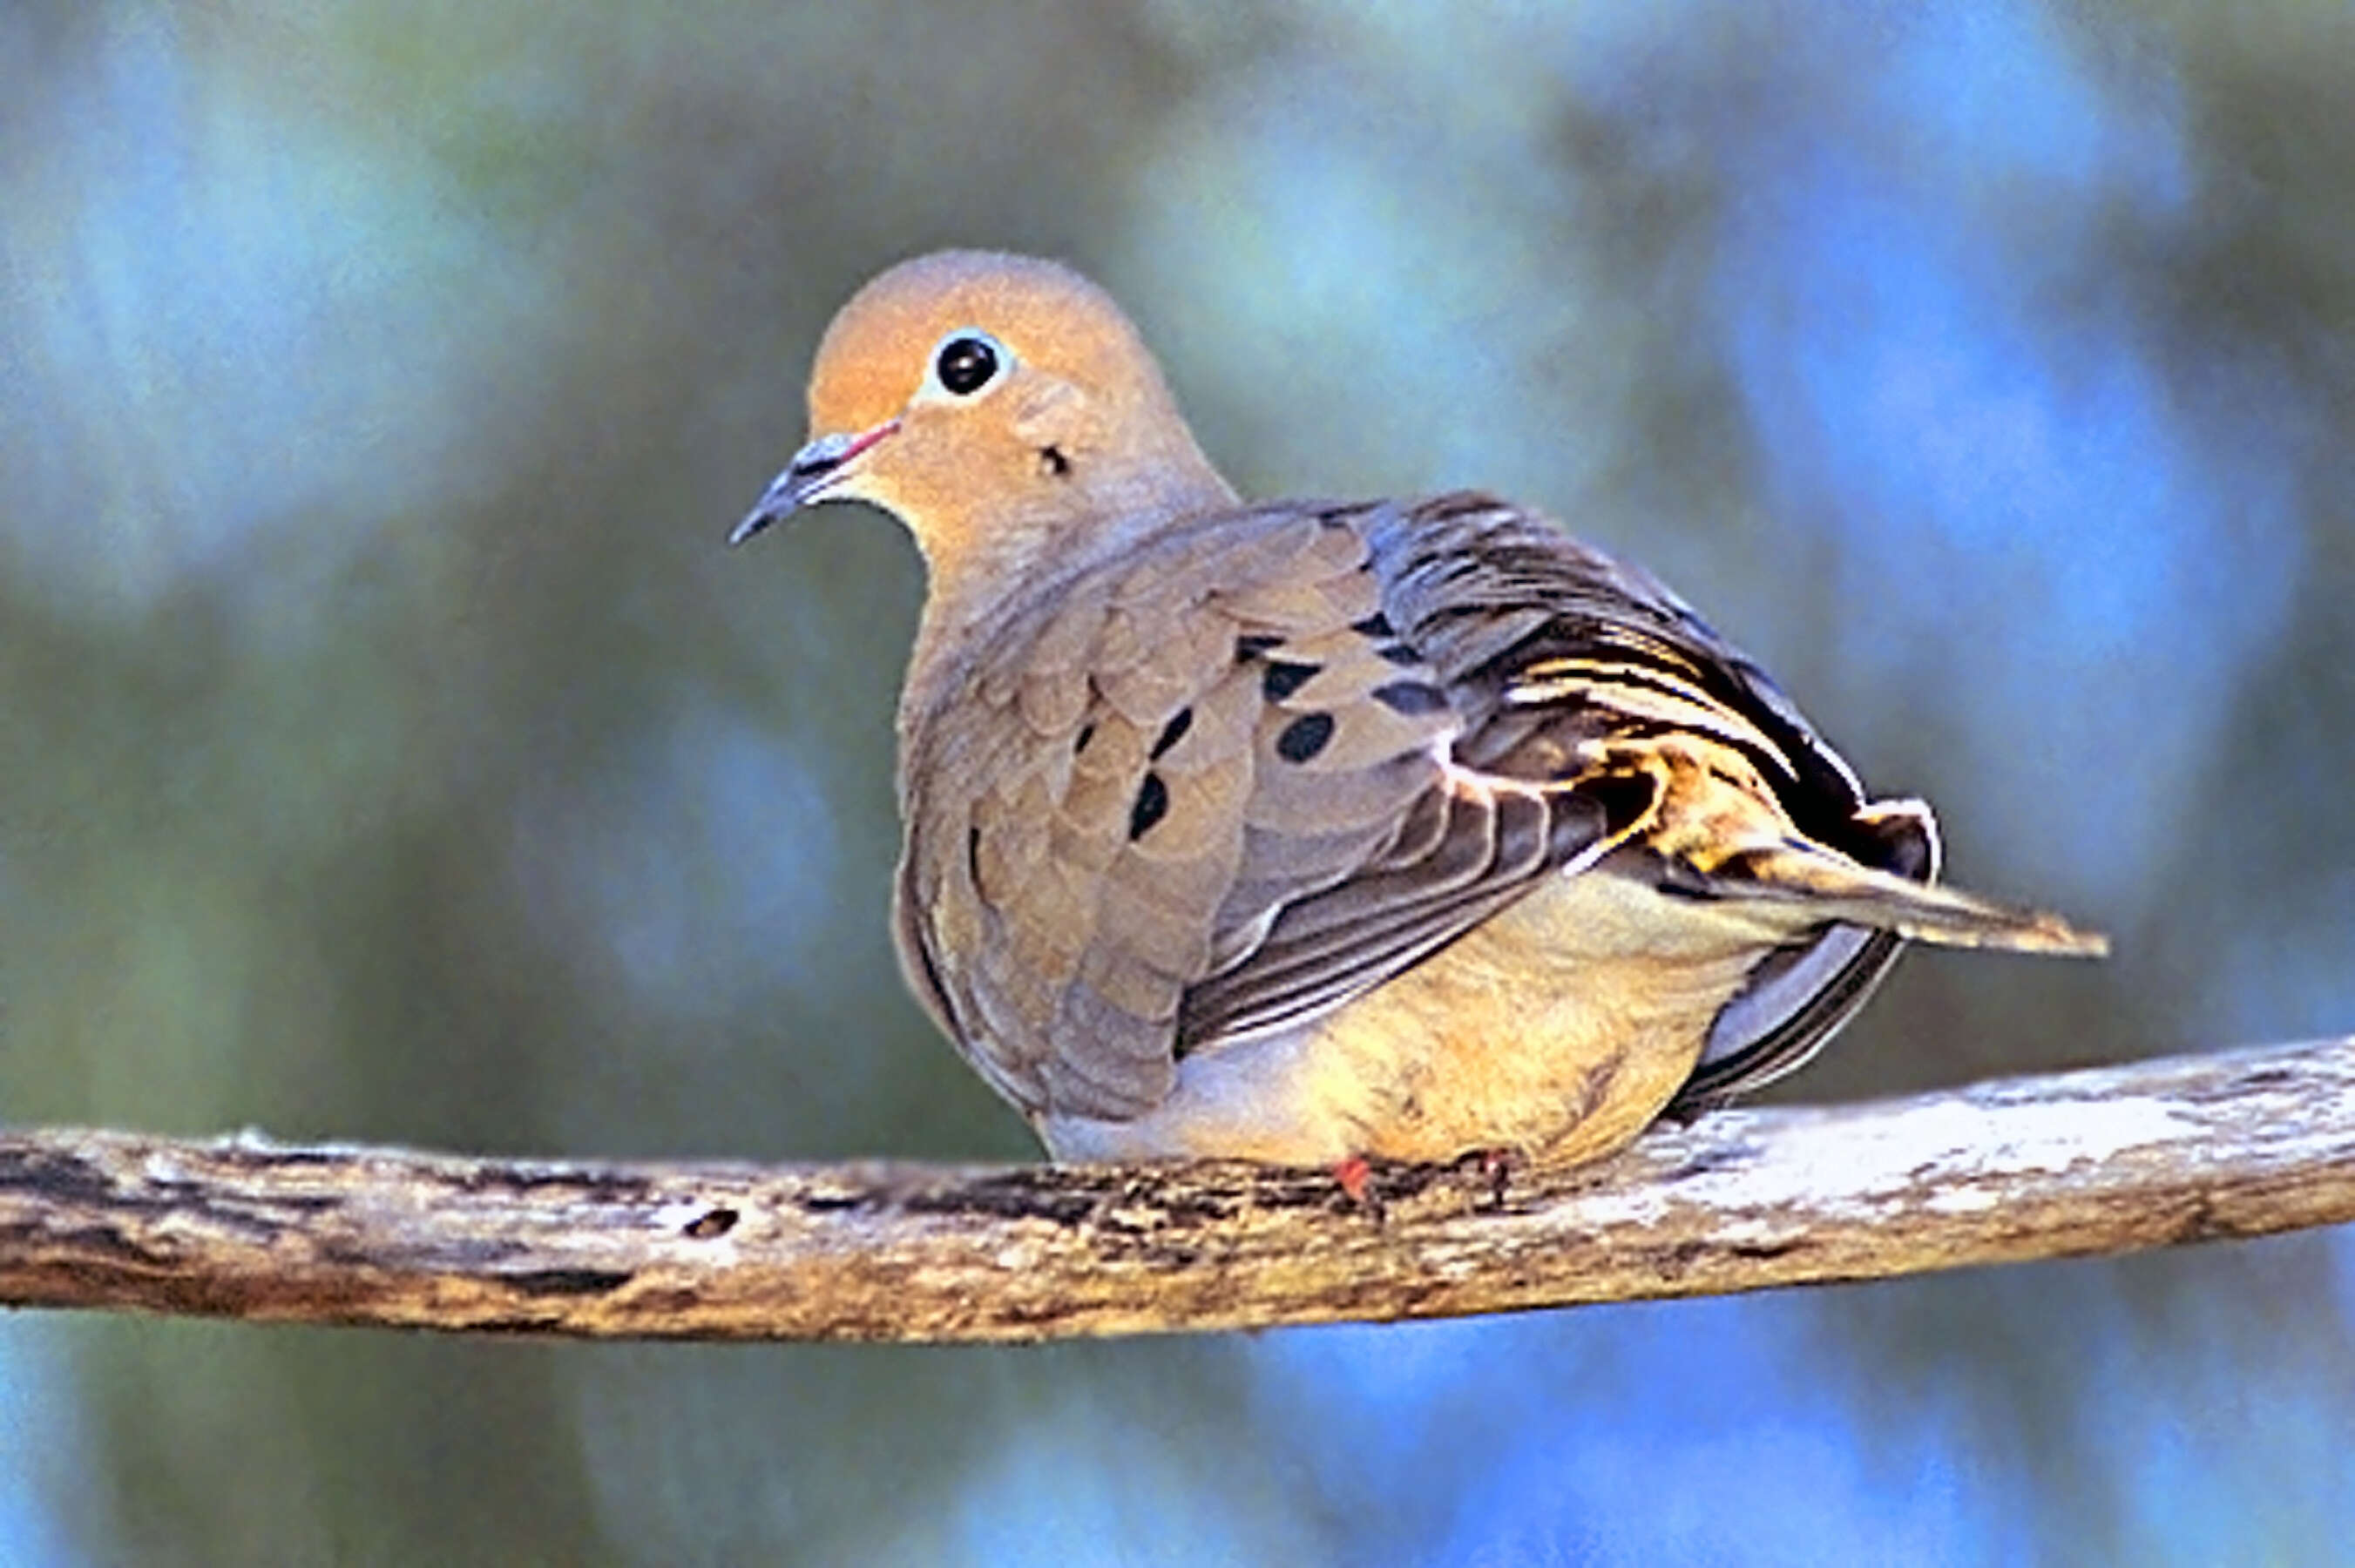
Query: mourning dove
column 1308, row 832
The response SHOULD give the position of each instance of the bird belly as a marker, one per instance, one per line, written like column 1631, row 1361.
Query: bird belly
column 1558, row 1028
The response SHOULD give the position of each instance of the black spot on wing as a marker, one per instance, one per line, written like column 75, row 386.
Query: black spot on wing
column 1251, row 644
column 1284, row 677
column 1173, row 732
column 1152, row 805
column 1374, row 625
column 1411, row 697
column 1304, row 737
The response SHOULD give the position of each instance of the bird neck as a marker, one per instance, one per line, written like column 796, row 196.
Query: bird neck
column 1015, row 555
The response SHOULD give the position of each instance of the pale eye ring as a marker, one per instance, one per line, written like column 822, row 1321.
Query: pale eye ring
column 968, row 361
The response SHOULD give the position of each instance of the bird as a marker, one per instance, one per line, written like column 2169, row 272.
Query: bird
column 1323, row 832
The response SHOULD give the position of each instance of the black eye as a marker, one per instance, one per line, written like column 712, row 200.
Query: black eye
column 966, row 365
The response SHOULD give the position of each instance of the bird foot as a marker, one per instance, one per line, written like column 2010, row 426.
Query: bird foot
column 1356, row 1175
column 1494, row 1166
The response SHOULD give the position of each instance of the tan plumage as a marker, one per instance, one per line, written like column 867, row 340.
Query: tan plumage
column 1306, row 830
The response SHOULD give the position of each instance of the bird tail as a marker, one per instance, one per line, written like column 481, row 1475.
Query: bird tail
column 1831, row 885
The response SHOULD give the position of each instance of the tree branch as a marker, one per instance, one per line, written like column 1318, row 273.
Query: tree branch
column 2153, row 1154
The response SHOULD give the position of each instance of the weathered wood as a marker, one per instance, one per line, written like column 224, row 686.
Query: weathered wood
column 2153, row 1154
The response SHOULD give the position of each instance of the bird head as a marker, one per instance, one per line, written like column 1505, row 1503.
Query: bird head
column 990, row 402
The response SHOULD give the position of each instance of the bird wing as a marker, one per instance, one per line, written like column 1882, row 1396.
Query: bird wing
column 1253, row 767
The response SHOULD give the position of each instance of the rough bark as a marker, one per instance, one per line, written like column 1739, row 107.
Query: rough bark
column 2153, row 1154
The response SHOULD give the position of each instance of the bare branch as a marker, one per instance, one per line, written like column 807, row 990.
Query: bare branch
column 2104, row 1161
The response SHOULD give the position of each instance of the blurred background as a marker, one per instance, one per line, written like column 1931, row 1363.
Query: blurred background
column 391, row 751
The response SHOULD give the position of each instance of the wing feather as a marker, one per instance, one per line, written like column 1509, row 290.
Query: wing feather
column 1242, row 772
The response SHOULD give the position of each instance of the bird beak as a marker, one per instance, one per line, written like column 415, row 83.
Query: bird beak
column 816, row 469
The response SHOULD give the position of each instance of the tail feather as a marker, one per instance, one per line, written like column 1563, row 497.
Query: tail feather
column 1840, row 888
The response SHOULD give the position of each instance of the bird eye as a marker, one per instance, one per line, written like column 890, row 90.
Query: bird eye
column 965, row 364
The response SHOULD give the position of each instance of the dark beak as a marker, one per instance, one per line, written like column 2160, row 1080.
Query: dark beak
column 815, row 470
